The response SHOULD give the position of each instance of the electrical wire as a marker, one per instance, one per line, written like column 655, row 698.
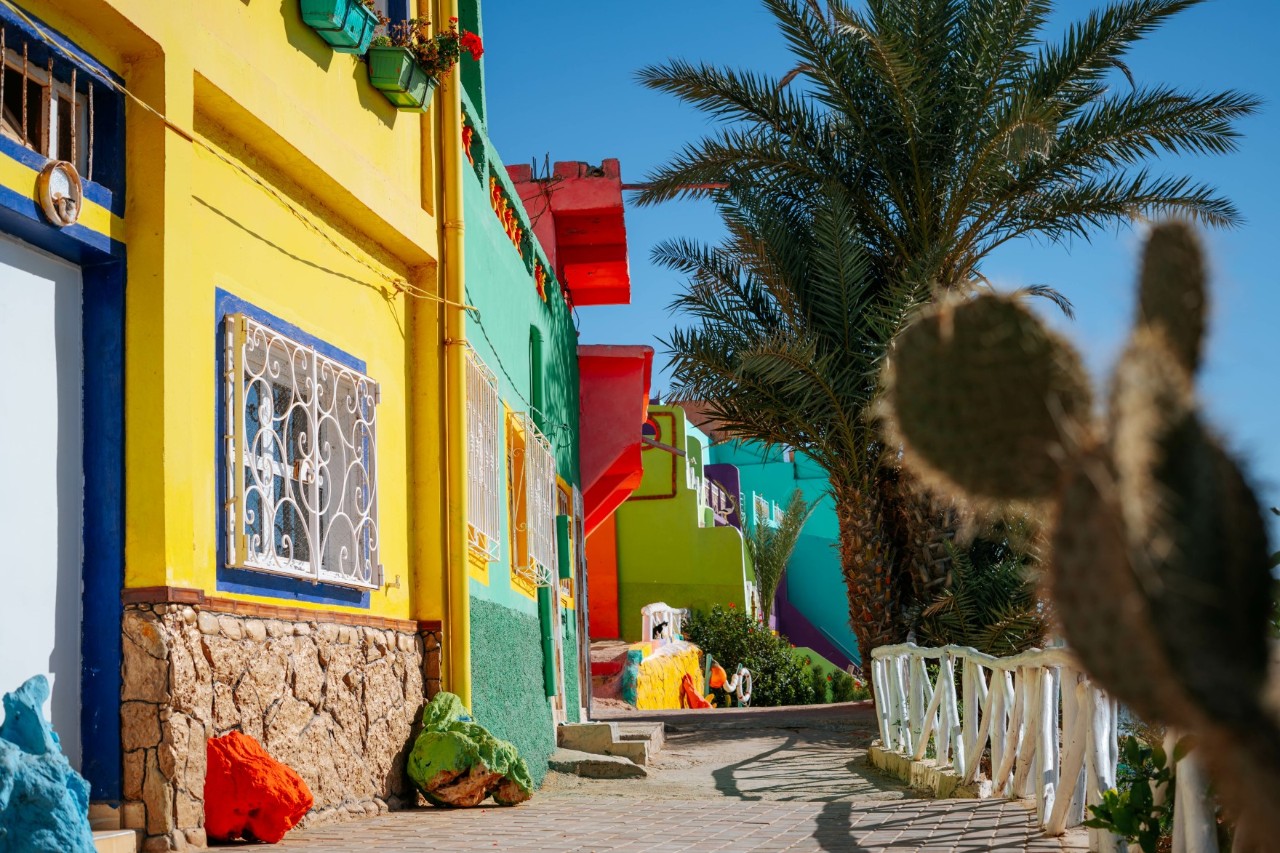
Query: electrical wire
column 397, row 285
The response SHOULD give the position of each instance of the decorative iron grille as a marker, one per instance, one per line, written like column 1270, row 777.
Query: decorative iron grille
column 484, row 449
column 539, row 515
column 301, row 450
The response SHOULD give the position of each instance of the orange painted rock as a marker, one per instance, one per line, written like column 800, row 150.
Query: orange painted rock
column 248, row 794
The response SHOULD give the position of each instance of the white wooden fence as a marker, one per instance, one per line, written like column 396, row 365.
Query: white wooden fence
column 1051, row 733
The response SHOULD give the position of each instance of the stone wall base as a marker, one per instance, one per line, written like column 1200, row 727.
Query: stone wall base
column 926, row 775
column 336, row 702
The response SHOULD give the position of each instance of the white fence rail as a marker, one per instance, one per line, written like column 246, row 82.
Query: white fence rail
column 1032, row 724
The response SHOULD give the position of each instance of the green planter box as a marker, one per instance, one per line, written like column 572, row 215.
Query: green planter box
column 347, row 25
column 394, row 72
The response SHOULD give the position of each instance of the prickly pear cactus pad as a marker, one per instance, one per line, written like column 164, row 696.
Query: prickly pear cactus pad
column 1173, row 292
column 457, row 762
column 984, row 399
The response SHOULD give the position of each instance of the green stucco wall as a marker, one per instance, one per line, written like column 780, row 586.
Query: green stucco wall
column 507, row 694
column 507, row 658
column 663, row 554
column 572, row 699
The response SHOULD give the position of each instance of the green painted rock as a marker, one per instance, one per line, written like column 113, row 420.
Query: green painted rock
column 456, row 762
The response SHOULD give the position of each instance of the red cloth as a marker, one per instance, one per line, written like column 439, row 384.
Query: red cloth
column 691, row 697
column 248, row 794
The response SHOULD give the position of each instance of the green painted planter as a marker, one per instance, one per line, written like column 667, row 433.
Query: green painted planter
column 394, row 72
column 347, row 25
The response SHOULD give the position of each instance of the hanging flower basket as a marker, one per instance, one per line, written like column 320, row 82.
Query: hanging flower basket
column 347, row 25
column 394, row 72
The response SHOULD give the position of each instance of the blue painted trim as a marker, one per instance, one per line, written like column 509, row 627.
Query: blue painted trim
column 95, row 192
column 108, row 190
column 103, row 571
column 22, row 217
column 245, row 581
column 11, row 19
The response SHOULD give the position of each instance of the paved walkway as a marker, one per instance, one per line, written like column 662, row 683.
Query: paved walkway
column 759, row 780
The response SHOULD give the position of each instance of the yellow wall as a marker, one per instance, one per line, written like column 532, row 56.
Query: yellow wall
column 268, row 94
column 659, row 685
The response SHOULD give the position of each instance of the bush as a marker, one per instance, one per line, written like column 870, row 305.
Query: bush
column 818, row 683
column 846, row 688
column 735, row 639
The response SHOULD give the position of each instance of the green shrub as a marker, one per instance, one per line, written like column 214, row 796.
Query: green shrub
column 846, row 688
column 1130, row 809
column 735, row 639
column 818, row 682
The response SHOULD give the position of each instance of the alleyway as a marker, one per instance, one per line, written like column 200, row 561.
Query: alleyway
column 754, row 780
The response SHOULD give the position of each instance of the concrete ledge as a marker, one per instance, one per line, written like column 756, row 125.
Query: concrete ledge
column 926, row 775
column 592, row 766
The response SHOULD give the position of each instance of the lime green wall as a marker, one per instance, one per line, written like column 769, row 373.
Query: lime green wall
column 663, row 555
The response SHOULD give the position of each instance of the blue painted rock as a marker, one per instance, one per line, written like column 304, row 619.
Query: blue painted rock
column 44, row 804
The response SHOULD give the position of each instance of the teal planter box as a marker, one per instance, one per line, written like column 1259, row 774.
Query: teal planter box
column 394, row 72
column 347, row 25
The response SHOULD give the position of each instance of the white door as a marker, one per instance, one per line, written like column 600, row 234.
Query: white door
column 41, row 479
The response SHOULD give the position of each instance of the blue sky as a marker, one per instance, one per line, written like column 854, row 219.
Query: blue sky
column 561, row 82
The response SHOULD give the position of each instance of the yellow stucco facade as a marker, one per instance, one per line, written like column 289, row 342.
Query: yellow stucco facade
column 280, row 176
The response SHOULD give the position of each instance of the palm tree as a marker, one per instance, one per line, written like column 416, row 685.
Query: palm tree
column 910, row 140
column 789, row 331
column 771, row 548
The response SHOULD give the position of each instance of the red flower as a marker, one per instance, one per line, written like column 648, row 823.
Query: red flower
column 471, row 44
column 828, row 678
column 732, row 605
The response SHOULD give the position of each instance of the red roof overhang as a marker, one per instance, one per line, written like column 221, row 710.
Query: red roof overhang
column 614, row 402
column 586, row 234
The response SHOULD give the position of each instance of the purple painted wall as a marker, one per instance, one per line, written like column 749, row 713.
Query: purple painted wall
column 731, row 481
column 799, row 630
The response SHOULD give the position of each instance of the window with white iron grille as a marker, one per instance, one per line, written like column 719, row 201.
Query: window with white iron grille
column 484, row 459
column 534, row 501
column 301, row 450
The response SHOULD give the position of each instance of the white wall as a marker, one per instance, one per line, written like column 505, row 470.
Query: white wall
column 41, row 479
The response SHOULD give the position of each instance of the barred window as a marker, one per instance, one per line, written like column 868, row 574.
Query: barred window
column 484, row 459
column 533, row 497
column 301, row 450
column 43, row 112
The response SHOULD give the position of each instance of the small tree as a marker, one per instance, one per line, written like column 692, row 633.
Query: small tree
column 771, row 548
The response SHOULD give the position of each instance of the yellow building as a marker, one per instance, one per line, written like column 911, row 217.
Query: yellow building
column 264, row 449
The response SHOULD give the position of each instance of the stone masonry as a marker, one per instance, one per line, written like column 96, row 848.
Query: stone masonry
column 336, row 702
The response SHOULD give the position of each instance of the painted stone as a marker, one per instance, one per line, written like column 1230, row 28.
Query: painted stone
column 44, row 803
column 248, row 794
column 457, row 762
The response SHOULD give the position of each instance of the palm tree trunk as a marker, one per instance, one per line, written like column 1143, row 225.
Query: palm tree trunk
column 867, row 565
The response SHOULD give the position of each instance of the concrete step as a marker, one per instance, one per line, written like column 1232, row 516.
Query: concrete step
column 590, row 765
column 654, row 734
column 602, row 739
column 117, row 841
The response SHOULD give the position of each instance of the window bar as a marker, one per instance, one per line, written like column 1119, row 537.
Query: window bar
column 25, row 139
column 90, row 87
column 312, row 470
column 75, row 161
column 4, row 63
column 46, row 137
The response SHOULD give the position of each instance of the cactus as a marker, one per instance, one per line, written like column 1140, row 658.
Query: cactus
column 950, row 408
column 1158, row 563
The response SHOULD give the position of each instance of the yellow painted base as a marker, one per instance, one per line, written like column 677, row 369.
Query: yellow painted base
column 661, row 674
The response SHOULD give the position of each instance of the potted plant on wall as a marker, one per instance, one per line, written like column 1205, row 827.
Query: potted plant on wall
column 406, row 62
column 347, row 25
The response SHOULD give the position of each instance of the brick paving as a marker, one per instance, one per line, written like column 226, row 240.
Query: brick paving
column 768, row 782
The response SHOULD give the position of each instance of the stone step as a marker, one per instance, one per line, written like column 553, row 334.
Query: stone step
column 654, row 734
column 602, row 739
column 117, row 841
column 590, row 765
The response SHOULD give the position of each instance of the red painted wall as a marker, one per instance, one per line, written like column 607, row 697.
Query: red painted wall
column 602, row 581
